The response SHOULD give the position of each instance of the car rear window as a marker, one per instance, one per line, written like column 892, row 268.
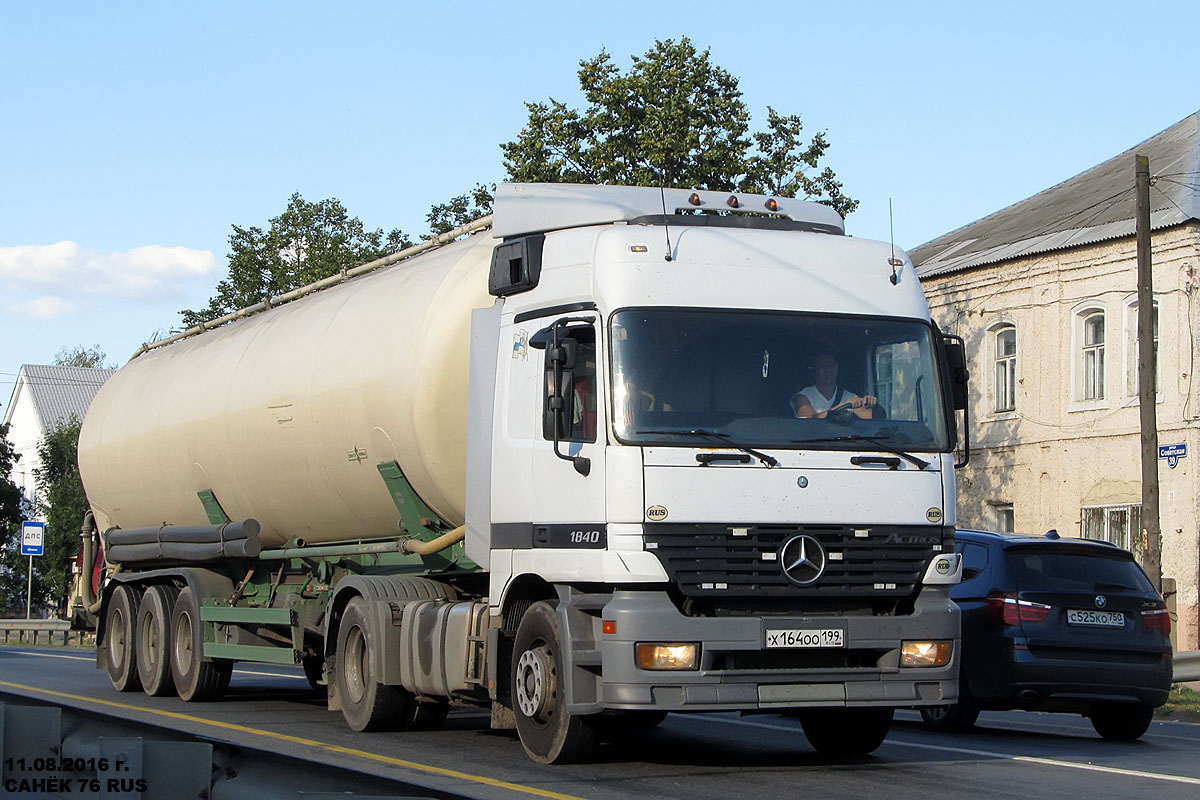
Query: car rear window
column 1042, row 569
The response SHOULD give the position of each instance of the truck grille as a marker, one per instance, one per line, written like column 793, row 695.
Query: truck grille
column 726, row 561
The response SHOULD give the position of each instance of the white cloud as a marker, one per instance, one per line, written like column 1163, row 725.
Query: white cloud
column 67, row 270
column 44, row 307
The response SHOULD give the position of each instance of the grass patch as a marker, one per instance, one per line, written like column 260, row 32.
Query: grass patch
column 1182, row 699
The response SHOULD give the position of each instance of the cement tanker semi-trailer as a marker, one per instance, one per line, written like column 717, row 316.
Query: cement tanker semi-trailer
column 607, row 457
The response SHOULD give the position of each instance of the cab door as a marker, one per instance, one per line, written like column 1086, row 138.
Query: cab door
column 570, row 436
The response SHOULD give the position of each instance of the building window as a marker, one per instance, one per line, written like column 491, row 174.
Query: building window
column 1131, row 370
column 1117, row 524
column 1005, row 386
column 1005, row 517
column 1093, row 356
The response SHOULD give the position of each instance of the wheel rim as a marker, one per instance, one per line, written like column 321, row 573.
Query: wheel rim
column 535, row 681
column 183, row 641
column 355, row 666
column 148, row 634
column 116, row 639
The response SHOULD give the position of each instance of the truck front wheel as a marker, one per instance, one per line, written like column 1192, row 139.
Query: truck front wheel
column 119, row 626
column 549, row 732
column 846, row 732
column 367, row 705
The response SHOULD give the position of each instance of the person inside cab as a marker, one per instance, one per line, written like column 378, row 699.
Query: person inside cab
column 825, row 396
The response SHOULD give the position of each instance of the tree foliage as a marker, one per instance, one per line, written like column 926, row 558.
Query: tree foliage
column 62, row 504
column 460, row 210
column 307, row 242
column 80, row 356
column 674, row 119
column 13, row 509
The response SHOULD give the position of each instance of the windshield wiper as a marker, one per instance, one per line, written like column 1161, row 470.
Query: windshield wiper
column 880, row 443
column 724, row 438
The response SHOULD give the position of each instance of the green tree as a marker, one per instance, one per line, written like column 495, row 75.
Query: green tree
column 674, row 119
column 460, row 210
column 62, row 504
column 13, row 509
column 307, row 242
column 80, row 356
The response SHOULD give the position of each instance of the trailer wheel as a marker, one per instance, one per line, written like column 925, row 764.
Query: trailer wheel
column 153, row 639
column 367, row 705
column 549, row 732
column 314, row 672
column 119, row 639
column 846, row 732
column 196, row 680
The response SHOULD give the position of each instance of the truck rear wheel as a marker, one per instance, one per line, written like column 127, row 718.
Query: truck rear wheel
column 846, row 732
column 367, row 705
column 549, row 732
column 119, row 648
column 196, row 680
column 153, row 639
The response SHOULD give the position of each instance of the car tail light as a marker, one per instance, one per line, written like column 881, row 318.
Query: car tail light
column 1158, row 620
column 1008, row 609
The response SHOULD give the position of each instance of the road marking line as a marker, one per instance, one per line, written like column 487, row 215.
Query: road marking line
column 986, row 753
column 48, row 655
column 332, row 748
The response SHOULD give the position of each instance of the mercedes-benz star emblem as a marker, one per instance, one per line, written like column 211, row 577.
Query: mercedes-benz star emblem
column 802, row 559
column 1101, row 601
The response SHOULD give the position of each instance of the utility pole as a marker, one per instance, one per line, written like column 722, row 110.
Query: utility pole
column 1151, row 544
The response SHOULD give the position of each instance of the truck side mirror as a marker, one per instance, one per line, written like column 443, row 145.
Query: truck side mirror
column 960, row 376
column 561, row 355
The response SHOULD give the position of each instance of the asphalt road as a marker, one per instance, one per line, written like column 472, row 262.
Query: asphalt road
column 698, row 757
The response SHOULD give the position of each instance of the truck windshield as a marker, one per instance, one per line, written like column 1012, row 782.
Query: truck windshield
column 775, row 379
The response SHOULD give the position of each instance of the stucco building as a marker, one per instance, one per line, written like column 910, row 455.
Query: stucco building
column 1044, row 293
column 43, row 398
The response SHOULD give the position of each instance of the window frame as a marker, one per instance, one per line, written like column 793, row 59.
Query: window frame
column 1131, row 349
column 1009, row 363
column 1081, row 316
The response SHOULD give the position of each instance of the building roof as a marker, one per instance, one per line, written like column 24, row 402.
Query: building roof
column 1094, row 206
column 57, row 393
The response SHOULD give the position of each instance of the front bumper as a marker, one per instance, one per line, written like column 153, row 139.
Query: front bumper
column 737, row 672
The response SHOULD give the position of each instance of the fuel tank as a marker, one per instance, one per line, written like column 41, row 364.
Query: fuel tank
column 286, row 415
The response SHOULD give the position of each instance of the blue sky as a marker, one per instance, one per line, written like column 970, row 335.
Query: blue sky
column 132, row 135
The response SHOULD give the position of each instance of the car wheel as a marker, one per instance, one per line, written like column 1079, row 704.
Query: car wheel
column 954, row 717
column 846, row 732
column 1121, row 722
column 549, row 732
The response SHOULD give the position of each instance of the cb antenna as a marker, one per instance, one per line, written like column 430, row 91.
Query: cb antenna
column 666, row 222
column 893, row 261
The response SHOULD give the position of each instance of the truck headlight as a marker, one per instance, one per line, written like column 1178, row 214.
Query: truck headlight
column 660, row 655
column 925, row 654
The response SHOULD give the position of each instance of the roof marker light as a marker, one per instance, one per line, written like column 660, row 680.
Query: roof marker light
column 694, row 199
column 732, row 202
column 772, row 204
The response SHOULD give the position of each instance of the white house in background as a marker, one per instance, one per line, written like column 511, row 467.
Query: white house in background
column 1044, row 293
column 44, row 398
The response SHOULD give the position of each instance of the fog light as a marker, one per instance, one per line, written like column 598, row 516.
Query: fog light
column 653, row 655
column 925, row 654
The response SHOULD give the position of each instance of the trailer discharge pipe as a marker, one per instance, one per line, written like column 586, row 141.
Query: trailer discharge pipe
column 435, row 545
column 88, row 533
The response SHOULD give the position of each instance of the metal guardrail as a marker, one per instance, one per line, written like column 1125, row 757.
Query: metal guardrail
column 35, row 625
column 1186, row 666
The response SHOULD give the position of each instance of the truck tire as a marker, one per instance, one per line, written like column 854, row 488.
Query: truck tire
column 196, row 680
column 846, row 732
column 314, row 673
column 1121, row 722
column 549, row 732
column 367, row 705
column 119, row 624
column 152, row 640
